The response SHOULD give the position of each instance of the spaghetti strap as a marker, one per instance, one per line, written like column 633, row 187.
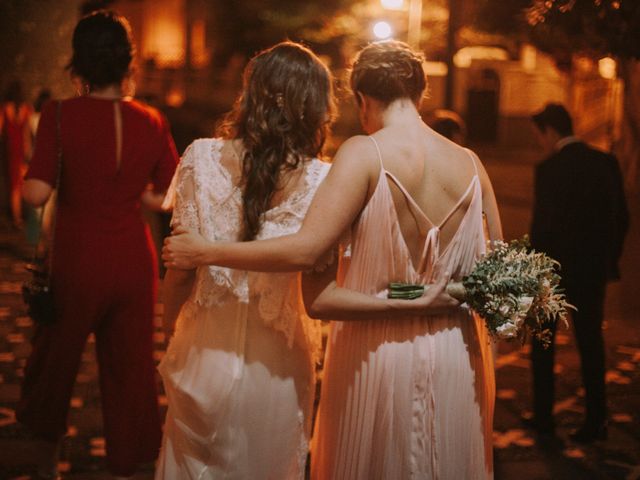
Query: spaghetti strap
column 412, row 203
column 398, row 184
column 473, row 160
column 459, row 202
column 379, row 153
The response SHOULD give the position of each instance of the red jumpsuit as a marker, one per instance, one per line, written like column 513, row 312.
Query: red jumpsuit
column 104, row 273
column 15, row 124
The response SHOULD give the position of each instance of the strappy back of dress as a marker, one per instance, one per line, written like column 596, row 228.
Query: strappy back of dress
column 377, row 234
column 432, row 255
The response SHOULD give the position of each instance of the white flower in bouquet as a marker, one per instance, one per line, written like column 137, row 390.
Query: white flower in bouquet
column 514, row 289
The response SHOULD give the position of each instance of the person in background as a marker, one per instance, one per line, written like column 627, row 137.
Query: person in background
column 579, row 218
column 450, row 125
column 33, row 221
column 43, row 97
column 16, row 136
column 104, row 273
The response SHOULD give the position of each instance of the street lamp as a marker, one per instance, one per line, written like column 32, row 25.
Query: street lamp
column 414, row 21
column 607, row 70
column 382, row 30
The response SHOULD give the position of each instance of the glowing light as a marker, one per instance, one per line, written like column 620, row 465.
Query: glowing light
column 175, row 97
column 435, row 69
column 464, row 56
column 392, row 4
column 382, row 30
column 607, row 68
column 163, row 36
column 528, row 58
column 199, row 50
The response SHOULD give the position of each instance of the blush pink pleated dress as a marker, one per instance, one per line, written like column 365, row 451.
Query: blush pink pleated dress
column 407, row 398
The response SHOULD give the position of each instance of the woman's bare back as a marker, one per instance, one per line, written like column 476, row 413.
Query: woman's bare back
column 435, row 172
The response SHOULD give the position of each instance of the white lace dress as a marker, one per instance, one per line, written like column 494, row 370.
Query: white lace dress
column 239, row 372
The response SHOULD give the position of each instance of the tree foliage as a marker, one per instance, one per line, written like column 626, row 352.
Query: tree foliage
column 504, row 18
column 599, row 27
column 564, row 27
column 261, row 23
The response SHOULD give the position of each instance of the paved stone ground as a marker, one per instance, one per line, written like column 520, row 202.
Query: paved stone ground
column 516, row 455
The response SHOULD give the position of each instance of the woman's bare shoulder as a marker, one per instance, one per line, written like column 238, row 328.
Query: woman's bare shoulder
column 358, row 150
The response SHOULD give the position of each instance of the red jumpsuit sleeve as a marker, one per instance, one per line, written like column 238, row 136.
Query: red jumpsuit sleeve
column 167, row 162
column 44, row 162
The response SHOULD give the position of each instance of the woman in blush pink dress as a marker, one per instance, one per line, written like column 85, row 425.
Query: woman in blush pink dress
column 402, row 397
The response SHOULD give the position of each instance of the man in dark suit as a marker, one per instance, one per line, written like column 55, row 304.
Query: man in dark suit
column 580, row 218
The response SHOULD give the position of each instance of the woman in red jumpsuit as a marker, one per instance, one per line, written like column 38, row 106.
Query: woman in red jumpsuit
column 104, row 266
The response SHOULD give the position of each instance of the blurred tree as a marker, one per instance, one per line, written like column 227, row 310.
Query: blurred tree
column 249, row 26
column 594, row 28
column 353, row 22
column 326, row 25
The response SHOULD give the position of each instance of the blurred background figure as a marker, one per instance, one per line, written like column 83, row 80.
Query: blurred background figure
column 16, row 136
column 580, row 218
column 104, row 275
column 44, row 95
column 448, row 124
column 33, row 222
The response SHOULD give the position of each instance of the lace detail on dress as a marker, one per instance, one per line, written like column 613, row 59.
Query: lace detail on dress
column 280, row 303
column 204, row 198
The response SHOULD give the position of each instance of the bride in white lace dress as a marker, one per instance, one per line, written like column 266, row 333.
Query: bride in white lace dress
column 239, row 369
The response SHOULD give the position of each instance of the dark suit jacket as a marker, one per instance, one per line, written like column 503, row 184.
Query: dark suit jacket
column 580, row 213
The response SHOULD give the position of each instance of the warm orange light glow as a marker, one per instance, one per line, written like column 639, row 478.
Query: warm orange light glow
column 464, row 56
column 164, row 38
column 175, row 97
column 607, row 68
column 199, row 51
column 392, row 4
column 528, row 58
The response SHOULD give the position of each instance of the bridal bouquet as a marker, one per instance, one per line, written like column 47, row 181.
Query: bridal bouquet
column 514, row 289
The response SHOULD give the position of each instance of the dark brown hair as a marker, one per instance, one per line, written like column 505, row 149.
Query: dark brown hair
column 282, row 117
column 388, row 71
column 556, row 117
column 102, row 49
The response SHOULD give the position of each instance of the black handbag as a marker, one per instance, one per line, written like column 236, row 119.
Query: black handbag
column 36, row 292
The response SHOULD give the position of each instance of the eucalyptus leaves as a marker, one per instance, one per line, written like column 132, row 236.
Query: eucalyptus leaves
column 514, row 289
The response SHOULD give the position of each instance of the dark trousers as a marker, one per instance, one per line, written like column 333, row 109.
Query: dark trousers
column 588, row 298
column 115, row 301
